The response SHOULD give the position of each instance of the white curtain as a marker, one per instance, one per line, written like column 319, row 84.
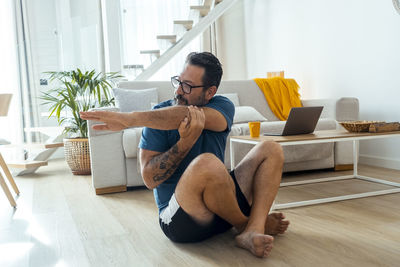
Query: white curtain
column 10, row 126
column 39, row 36
column 59, row 35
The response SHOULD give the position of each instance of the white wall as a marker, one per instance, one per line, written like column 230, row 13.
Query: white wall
column 231, row 49
column 333, row 49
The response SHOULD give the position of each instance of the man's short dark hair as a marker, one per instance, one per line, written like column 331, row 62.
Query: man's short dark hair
column 212, row 67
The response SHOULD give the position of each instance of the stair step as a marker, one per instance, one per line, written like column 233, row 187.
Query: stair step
column 185, row 23
column 202, row 9
column 155, row 52
column 35, row 145
column 26, row 164
column 171, row 38
column 198, row 28
column 53, row 145
column 134, row 66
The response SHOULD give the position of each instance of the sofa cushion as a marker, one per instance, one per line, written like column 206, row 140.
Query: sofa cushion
column 246, row 114
column 130, row 141
column 135, row 100
column 233, row 97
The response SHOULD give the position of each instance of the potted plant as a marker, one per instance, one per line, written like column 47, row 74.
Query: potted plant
column 77, row 91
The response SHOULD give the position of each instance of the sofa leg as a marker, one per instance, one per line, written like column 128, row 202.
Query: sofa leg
column 112, row 189
column 344, row 167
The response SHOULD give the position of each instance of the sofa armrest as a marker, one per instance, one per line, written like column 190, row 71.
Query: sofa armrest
column 107, row 157
column 91, row 132
column 347, row 109
column 107, row 160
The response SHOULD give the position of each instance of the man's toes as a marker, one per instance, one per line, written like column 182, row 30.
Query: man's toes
column 278, row 215
column 281, row 215
column 285, row 223
column 261, row 244
column 268, row 239
column 267, row 250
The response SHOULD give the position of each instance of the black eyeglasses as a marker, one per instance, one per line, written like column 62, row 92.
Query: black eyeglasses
column 186, row 88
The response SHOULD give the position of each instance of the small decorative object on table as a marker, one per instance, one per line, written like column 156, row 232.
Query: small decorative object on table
column 384, row 127
column 357, row 126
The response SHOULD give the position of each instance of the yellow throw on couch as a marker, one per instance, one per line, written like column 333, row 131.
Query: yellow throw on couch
column 281, row 95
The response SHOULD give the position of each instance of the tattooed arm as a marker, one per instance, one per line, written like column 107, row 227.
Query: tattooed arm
column 167, row 118
column 157, row 167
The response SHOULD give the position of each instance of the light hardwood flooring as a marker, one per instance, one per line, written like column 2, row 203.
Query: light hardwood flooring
column 61, row 222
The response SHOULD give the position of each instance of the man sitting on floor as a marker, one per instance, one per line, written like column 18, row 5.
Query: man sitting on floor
column 182, row 152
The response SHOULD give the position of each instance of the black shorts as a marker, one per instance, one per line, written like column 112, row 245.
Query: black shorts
column 178, row 226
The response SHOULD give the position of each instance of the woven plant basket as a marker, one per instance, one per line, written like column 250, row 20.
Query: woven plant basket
column 77, row 155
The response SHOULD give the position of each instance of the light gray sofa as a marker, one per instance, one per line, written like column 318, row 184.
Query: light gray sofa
column 114, row 154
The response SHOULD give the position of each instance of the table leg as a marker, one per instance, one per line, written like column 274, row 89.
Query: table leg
column 355, row 157
column 232, row 155
column 7, row 191
column 355, row 175
column 8, row 174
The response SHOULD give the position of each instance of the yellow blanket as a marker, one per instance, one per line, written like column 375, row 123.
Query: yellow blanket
column 281, row 95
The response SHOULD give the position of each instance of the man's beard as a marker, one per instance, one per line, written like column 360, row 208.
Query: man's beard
column 181, row 101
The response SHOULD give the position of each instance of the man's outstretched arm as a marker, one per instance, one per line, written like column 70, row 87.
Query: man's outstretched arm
column 168, row 118
column 157, row 167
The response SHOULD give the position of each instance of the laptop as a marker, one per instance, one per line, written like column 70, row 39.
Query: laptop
column 301, row 120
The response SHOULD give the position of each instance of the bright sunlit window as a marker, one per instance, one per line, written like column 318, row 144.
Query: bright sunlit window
column 11, row 125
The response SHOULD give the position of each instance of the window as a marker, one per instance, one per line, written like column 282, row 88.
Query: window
column 11, row 126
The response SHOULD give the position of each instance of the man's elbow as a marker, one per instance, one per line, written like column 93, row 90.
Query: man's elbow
column 148, row 180
column 215, row 126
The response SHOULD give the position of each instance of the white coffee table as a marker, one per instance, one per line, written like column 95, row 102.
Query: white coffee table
column 324, row 137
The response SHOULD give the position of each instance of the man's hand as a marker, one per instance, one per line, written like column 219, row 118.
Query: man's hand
column 113, row 121
column 192, row 125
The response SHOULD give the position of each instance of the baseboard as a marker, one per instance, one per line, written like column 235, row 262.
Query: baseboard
column 384, row 162
column 112, row 189
column 344, row 167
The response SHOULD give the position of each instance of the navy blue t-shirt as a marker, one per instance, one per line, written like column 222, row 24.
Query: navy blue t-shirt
column 208, row 142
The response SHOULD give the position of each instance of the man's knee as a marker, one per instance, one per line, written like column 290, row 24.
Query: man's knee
column 208, row 165
column 206, row 161
column 272, row 149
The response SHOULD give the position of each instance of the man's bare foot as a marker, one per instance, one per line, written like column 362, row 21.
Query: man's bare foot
column 258, row 244
column 276, row 224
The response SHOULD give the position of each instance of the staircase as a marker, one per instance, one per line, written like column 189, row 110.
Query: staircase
column 185, row 30
column 36, row 154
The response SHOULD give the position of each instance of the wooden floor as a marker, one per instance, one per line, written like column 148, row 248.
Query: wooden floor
column 61, row 222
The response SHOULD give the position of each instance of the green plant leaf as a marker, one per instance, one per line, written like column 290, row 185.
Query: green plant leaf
column 77, row 91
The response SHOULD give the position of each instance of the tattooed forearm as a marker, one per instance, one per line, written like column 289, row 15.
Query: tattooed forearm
column 166, row 163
